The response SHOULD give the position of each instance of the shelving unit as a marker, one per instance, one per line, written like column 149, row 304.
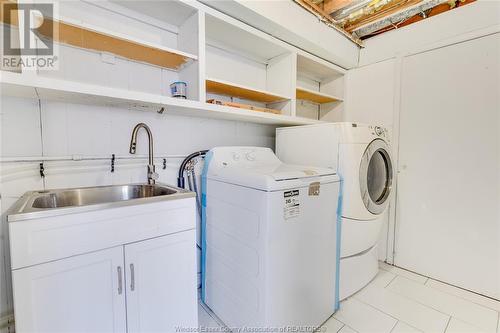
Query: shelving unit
column 234, row 90
column 319, row 88
column 217, row 56
column 315, row 96
column 246, row 66
column 102, row 40
column 29, row 86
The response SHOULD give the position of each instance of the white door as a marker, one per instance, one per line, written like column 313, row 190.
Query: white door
column 161, row 283
column 448, row 213
column 78, row 294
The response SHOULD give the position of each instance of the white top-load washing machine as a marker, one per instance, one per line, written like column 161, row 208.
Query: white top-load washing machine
column 268, row 239
column 361, row 155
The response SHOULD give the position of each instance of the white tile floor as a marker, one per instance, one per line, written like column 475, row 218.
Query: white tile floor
column 399, row 301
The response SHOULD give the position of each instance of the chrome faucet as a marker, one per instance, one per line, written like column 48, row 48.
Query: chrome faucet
column 152, row 175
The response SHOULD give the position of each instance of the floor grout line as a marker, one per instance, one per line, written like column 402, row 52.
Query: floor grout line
column 444, row 292
column 395, row 324
column 447, row 324
column 365, row 303
column 394, row 278
column 418, row 329
column 440, row 311
column 418, row 302
column 341, row 327
column 463, row 298
column 428, row 278
column 410, row 299
column 350, row 328
column 403, row 269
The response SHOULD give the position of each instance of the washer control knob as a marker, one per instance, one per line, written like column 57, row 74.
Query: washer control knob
column 250, row 156
column 379, row 130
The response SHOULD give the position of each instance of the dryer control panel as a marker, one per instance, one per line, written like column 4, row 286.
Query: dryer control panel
column 379, row 131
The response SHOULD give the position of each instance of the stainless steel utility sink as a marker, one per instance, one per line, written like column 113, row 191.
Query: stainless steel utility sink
column 36, row 204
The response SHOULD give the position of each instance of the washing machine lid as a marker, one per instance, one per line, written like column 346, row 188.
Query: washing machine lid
column 259, row 168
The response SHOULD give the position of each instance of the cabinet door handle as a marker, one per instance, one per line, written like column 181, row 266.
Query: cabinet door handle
column 120, row 281
column 132, row 277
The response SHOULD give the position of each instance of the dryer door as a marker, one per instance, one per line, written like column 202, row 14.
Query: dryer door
column 375, row 176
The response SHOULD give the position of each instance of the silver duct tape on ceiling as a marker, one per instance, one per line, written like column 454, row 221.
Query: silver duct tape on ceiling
column 397, row 17
column 352, row 7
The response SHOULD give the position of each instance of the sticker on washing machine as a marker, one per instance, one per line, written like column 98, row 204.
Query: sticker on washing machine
column 292, row 204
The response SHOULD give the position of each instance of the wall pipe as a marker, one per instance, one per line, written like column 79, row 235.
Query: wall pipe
column 82, row 158
column 182, row 168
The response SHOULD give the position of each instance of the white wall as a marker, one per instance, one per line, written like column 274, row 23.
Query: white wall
column 288, row 21
column 384, row 87
column 53, row 129
column 37, row 130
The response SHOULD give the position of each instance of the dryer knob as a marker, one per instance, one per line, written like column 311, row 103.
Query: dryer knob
column 250, row 156
column 379, row 130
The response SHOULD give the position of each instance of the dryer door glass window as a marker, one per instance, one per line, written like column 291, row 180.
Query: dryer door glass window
column 375, row 177
column 378, row 177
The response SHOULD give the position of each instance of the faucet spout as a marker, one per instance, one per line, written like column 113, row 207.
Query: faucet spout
column 152, row 175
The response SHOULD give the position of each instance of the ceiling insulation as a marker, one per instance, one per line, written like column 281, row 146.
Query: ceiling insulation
column 361, row 19
column 401, row 16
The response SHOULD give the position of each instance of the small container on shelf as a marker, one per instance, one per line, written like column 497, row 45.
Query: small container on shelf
column 178, row 89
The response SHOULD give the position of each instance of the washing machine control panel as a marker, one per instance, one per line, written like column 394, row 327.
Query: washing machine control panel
column 248, row 155
column 244, row 156
column 379, row 131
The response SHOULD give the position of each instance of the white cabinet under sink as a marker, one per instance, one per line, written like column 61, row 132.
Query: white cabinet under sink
column 161, row 284
column 80, row 293
column 131, row 269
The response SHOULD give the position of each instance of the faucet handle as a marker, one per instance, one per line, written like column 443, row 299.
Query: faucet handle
column 152, row 172
column 154, row 175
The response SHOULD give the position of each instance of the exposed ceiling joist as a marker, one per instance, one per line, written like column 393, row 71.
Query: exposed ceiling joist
column 331, row 6
column 359, row 19
column 387, row 10
column 326, row 18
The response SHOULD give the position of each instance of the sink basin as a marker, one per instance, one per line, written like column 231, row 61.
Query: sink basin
column 96, row 195
column 38, row 204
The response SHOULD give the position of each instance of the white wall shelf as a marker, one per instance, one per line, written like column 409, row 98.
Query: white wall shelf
column 89, row 36
column 317, row 68
column 320, row 85
column 32, row 86
column 217, row 56
column 222, row 87
column 226, row 32
column 315, row 96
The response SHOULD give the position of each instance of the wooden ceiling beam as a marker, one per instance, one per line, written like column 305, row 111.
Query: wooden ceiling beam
column 327, row 19
column 309, row 5
column 330, row 6
column 389, row 9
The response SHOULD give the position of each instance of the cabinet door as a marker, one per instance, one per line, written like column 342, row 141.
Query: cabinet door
column 161, row 283
column 84, row 293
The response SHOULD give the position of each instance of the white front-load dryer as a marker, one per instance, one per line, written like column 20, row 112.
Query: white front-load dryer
column 361, row 155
